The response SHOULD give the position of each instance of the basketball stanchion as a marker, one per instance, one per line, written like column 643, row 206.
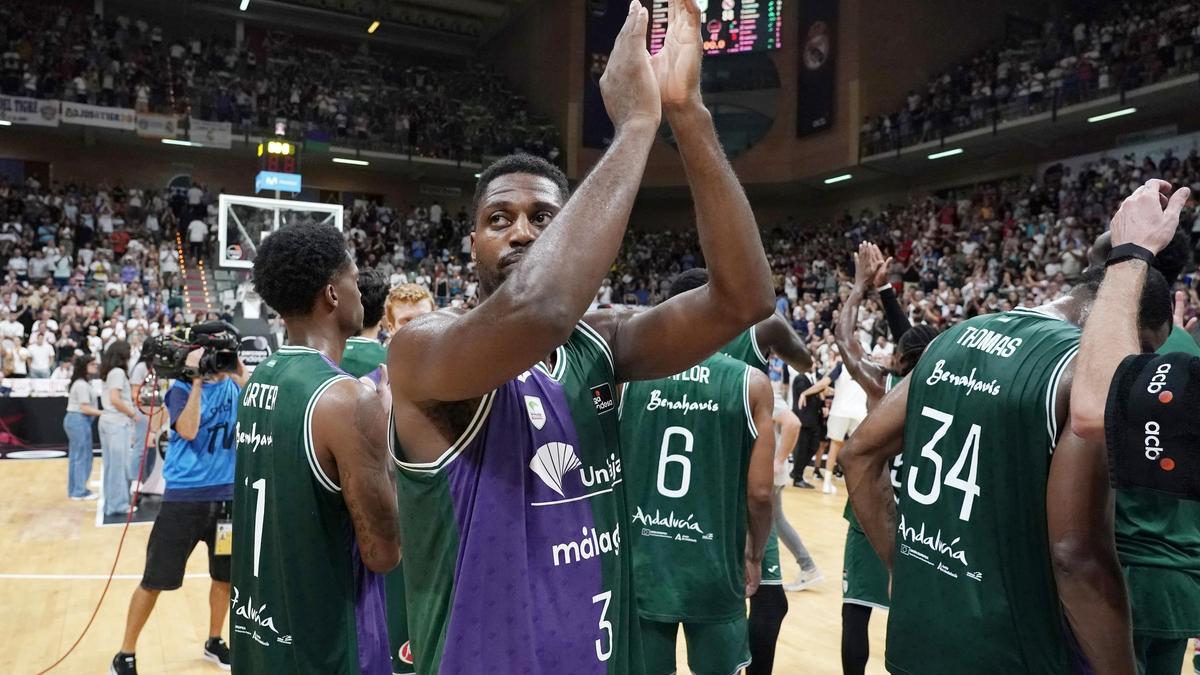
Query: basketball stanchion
column 121, row 542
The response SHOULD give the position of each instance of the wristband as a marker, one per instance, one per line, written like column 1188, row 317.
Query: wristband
column 1126, row 251
column 885, row 287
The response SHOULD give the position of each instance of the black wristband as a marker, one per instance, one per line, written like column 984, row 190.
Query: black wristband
column 1127, row 251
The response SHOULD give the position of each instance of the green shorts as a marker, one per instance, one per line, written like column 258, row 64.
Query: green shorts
column 1165, row 602
column 772, row 573
column 864, row 578
column 712, row 648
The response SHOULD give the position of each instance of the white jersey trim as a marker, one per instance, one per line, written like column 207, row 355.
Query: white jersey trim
column 310, row 449
column 596, row 337
column 468, row 435
column 746, row 402
column 560, row 364
column 1052, row 395
column 758, row 350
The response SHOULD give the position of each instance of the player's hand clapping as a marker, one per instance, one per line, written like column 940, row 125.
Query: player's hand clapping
column 869, row 265
column 1147, row 217
column 628, row 85
column 677, row 64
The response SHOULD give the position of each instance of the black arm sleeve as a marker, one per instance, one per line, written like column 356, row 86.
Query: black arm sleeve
column 1151, row 427
column 897, row 321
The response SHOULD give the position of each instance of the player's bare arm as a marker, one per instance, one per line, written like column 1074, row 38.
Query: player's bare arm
column 760, row 481
column 446, row 357
column 867, row 458
column 869, row 375
column 1079, row 522
column 687, row 328
column 1148, row 219
column 355, row 455
column 778, row 336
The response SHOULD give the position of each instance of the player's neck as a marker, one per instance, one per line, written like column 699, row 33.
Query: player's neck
column 323, row 336
column 371, row 333
column 1068, row 308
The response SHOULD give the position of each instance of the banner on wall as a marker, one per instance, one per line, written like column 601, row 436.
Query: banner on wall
column 157, row 126
column 604, row 21
column 37, row 112
column 99, row 116
column 210, row 134
column 817, row 83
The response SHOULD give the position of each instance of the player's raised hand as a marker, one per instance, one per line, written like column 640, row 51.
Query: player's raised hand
column 628, row 86
column 677, row 64
column 1147, row 217
column 867, row 262
column 1178, row 316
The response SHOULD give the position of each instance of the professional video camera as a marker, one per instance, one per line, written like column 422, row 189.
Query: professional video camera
column 168, row 353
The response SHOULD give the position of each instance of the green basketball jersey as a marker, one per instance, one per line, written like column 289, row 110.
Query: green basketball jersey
column 973, row 589
column 362, row 356
column 302, row 601
column 1158, row 541
column 745, row 348
column 687, row 441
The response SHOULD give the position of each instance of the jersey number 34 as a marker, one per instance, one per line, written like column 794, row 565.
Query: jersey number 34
column 968, row 460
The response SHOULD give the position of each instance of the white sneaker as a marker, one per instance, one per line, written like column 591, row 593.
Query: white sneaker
column 90, row 496
column 805, row 579
column 829, row 489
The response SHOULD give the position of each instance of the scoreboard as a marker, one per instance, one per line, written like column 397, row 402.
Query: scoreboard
column 278, row 166
column 728, row 26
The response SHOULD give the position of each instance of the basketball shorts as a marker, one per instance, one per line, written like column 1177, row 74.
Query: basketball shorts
column 864, row 578
column 397, row 618
column 841, row 427
column 1165, row 602
column 177, row 529
column 772, row 573
column 712, row 648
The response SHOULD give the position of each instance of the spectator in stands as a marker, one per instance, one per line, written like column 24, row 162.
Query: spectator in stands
column 42, row 356
column 81, row 408
column 197, row 238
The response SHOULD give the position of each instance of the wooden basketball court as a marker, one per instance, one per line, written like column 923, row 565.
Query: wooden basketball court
column 55, row 561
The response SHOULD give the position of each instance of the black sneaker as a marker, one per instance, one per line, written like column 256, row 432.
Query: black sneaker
column 123, row 664
column 217, row 651
column 803, row 485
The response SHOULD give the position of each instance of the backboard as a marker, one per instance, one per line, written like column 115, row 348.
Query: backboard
column 244, row 222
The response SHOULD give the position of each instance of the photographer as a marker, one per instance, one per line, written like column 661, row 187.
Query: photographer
column 196, row 505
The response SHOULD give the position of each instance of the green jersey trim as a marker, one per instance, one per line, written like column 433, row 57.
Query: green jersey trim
column 1052, row 396
column 757, row 350
column 310, row 449
column 746, row 402
column 455, row 449
column 596, row 337
column 560, row 364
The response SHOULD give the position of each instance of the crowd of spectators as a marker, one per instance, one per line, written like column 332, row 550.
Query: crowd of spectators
column 1123, row 46
column 89, row 265
column 332, row 92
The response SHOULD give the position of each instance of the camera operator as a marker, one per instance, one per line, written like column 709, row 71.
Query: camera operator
column 196, row 506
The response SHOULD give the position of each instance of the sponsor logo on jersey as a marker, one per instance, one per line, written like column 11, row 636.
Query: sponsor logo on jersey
column 253, row 439
column 657, row 402
column 537, row 414
column 991, row 342
column 932, row 541
column 405, row 653
column 679, row 529
column 552, row 461
column 256, row 615
column 968, row 382
column 603, row 398
column 590, row 545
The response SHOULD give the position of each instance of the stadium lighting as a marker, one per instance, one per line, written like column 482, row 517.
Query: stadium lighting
column 946, row 153
column 186, row 144
column 838, row 179
column 5, row 123
column 373, row 27
column 244, row 5
column 1116, row 113
column 355, row 162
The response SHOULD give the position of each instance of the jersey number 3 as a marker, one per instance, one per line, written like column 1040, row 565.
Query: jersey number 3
column 968, row 455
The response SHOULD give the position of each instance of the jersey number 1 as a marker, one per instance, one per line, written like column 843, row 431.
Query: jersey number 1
column 969, row 453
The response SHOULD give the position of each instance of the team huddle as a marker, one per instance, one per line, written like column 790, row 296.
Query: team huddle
column 568, row 487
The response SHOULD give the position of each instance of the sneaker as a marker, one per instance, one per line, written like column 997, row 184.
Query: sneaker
column 90, row 496
column 805, row 579
column 123, row 664
column 837, row 471
column 803, row 484
column 829, row 489
column 217, row 651
column 818, row 474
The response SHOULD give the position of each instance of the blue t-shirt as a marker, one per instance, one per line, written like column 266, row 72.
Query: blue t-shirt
column 202, row 469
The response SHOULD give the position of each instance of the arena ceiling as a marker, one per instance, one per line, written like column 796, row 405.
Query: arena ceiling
column 456, row 27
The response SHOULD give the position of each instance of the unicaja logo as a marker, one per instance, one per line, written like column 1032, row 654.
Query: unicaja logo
column 551, row 462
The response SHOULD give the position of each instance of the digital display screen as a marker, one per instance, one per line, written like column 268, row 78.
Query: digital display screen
column 728, row 26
